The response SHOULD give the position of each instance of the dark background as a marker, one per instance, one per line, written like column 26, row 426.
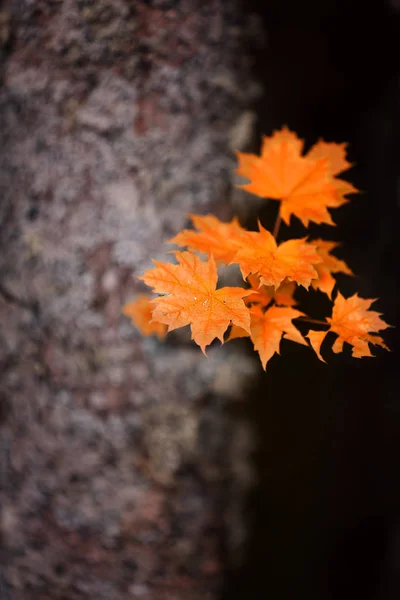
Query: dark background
column 325, row 518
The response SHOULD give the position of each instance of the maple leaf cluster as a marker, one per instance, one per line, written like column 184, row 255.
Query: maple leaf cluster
column 306, row 187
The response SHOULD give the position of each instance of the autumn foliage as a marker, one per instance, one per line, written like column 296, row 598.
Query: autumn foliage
column 265, row 308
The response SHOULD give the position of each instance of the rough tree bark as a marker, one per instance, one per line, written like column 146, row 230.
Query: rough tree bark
column 123, row 475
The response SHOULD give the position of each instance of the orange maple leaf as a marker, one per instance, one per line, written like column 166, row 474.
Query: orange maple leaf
column 264, row 295
column 293, row 260
column 193, row 298
column 267, row 329
column 330, row 264
column 215, row 237
column 337, row 163
column 335, row 153
column 353, row 323
column 140, row 311
column 305, row 185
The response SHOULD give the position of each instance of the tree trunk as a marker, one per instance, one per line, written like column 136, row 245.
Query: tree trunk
column 122, row 470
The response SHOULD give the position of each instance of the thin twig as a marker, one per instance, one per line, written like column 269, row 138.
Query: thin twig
column 277, row 225
column 313, row 321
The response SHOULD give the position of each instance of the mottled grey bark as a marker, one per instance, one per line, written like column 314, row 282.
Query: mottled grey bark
column 122, row 474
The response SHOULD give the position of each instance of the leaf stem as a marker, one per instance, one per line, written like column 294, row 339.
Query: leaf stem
column 277, row 225
column 313, row 321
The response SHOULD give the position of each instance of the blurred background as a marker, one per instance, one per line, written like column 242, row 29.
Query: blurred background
column 134, row 469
